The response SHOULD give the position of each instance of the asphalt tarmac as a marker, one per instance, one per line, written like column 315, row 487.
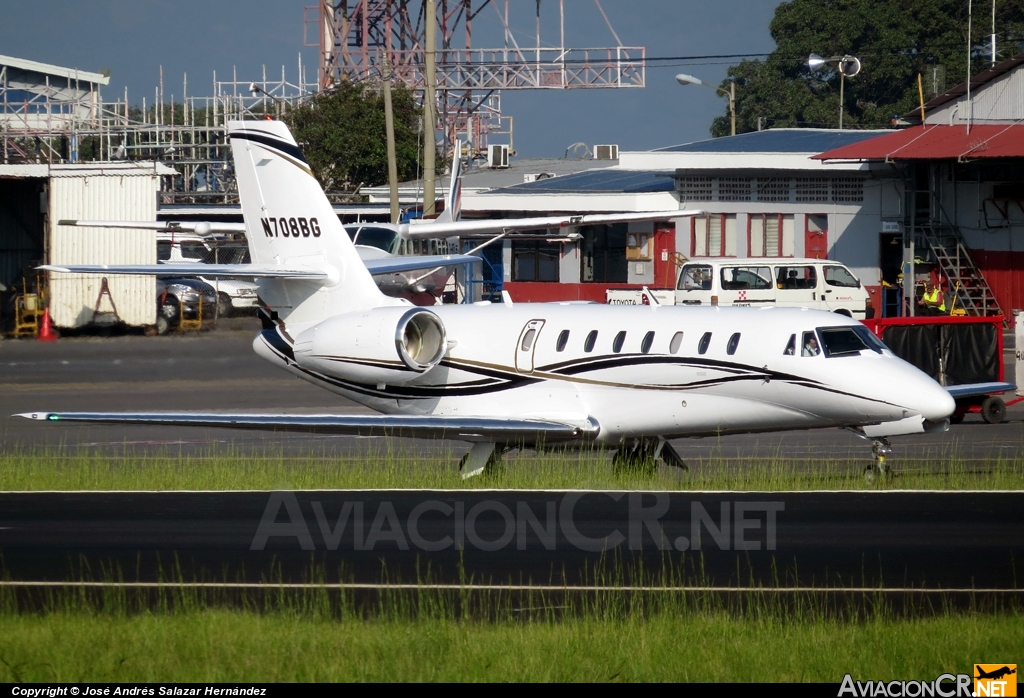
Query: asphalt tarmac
column 873, row 540
column 218, row 371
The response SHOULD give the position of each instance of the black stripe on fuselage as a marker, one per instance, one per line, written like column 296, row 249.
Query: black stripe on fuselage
column 271, row 142
column 501, row 380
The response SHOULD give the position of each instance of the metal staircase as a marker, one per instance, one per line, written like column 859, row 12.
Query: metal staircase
column 967, row 284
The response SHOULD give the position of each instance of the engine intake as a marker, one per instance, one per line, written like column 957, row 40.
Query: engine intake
column 383, row 345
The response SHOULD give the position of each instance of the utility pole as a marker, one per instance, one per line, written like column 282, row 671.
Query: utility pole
column 389, row 127
column 429, row 141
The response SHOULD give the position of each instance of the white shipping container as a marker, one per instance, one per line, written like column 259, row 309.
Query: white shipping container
column 102, row 191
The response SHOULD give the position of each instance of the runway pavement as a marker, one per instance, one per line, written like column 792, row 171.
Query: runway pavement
column 218, row 371
column 892, row 540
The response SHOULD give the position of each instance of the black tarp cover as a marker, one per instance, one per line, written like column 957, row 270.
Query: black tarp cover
column 968, row 352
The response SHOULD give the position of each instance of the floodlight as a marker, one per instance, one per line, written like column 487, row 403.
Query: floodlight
column 815, row 62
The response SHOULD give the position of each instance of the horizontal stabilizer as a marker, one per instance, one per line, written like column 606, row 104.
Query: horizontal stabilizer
column 425, row 427
column 978, row 389
column 199, row 227
column 391, row 265
column 212, row 271
column 434, row 229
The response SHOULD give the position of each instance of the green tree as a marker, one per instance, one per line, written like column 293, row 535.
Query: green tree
column 895, row 41
column 342, row 134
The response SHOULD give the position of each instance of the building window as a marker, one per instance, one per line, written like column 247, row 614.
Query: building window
column 694, row 188
column 773, row 190
column 535, row 261
column 603, row 254
column 638, row 246
column 812, row 189
column 770, row 235
column 713, row 235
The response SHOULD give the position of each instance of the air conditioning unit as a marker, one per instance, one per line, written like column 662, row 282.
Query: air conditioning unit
column 497, row 156
column 606, row 152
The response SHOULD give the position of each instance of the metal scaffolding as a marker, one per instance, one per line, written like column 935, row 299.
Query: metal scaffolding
column 353, row 35
column 52, row 115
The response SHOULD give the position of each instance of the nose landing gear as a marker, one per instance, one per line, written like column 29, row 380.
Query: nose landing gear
column 879, row 469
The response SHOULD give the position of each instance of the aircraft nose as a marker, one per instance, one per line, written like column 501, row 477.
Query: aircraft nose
column 931, row 400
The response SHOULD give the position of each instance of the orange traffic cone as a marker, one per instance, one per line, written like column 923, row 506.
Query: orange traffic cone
column 46, row 331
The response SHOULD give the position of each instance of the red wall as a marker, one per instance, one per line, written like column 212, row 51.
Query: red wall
column 1004, row 272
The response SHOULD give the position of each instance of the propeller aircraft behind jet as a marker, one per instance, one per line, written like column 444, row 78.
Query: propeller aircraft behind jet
column 510, row 375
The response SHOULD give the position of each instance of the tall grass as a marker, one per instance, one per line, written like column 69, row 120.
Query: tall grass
column 388, row 467
column 314, row 636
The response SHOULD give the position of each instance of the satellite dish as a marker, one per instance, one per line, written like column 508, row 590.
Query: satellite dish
column 849, row 66
column 814, row 62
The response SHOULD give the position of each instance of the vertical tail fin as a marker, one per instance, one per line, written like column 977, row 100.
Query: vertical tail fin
column 453, row 202
column 289, row 221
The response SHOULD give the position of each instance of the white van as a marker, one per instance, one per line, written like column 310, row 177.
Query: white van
column 801, row 283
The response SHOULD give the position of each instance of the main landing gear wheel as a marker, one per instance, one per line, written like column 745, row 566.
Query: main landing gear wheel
column 993, row 410
column 879, row 470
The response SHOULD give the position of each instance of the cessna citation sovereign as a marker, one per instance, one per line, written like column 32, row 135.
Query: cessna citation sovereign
column 510, row 375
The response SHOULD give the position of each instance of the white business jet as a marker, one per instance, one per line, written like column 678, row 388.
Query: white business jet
column 530, row 375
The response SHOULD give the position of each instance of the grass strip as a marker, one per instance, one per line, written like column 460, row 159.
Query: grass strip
column 221, row 645
column 386, row 467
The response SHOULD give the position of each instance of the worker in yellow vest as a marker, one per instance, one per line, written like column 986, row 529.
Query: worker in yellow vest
column 933, row 300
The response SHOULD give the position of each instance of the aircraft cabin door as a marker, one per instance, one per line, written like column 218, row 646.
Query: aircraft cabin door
column 527, row 345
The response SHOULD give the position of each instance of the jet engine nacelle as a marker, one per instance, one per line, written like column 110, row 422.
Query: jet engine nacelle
column 382, row 345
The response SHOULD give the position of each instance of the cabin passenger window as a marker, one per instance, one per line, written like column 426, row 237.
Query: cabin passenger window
column 734, row 342
column 810, row 345
column 645, row 345
column 695, row 277
column 588, row 344
column 563, row 339
column 528, row 340
column 705, row 341
column 790, row 346
column 677, row 340
column 617, row 343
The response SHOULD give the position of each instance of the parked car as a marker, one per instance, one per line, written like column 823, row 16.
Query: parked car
column 234, row 296
column 175, row 296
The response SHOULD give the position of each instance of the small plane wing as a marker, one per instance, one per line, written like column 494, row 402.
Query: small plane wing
column 390, row 265
column 198, row 227
column 977, row 389
column 213, row 271
column 434, row 229
column 425, row 426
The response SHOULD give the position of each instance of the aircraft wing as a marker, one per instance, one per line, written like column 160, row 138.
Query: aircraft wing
column 433, row 229
column 390, row 265
column 427, row 426
column 977, row 389
column 199, row 227
column 213, row 271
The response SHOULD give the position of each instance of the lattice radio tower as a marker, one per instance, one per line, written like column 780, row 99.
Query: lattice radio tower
column 352, row 36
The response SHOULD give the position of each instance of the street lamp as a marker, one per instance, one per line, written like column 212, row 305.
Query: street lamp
column 684, row 79
column 848, row 67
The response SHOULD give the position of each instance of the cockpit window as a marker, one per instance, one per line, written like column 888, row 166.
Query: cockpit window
column 381, row 238
column 870, row 339
column 810, row 345
column 843, row 341
column 790, row 346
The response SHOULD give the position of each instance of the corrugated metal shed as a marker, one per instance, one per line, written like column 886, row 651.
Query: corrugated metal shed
column 776, row 140
column 122, row 191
